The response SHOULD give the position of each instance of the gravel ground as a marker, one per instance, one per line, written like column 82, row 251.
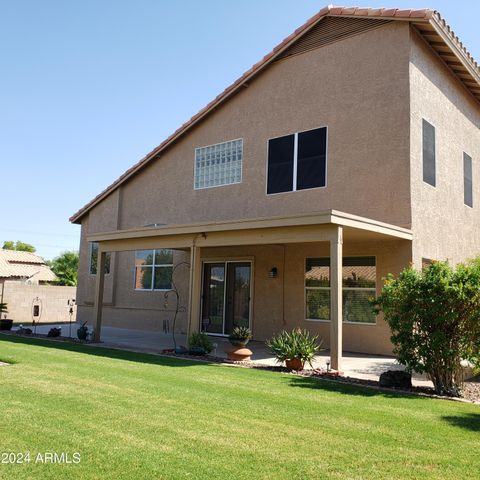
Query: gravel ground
column 471, row 390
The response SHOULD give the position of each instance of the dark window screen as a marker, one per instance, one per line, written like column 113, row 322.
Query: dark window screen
column 467, row 180
column 280, row 164
column 311, row 159
column 428, row 153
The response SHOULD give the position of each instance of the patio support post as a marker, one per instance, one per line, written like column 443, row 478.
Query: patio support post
column 98, row 305
column 195, row 293
column 336, row 325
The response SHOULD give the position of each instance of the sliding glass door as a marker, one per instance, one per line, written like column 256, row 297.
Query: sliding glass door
column 226, row 296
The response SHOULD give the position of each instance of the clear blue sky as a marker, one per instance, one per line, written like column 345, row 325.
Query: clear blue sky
column 87, row 87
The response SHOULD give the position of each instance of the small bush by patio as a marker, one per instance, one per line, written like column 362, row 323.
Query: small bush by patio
column 199, row 343
column 434, row 316
column 294, row 348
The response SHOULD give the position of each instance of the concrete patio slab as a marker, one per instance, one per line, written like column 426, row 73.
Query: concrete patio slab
column 355, row 365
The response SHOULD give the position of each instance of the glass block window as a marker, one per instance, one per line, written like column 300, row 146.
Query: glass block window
column 94, row 259
column 358, row 283
column 219, row 164
column 153, row 269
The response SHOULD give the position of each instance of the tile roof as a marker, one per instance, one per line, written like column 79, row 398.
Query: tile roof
column 15, row 264
column 436, row 32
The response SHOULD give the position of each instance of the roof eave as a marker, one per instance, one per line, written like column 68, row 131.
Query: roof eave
column 456, row 46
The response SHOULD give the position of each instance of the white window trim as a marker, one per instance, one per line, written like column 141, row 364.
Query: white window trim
column 222, row 184
column 152, row 266
column 320, row 320
column 295, row 158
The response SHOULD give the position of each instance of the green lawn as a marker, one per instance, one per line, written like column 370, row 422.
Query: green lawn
column 135, row 416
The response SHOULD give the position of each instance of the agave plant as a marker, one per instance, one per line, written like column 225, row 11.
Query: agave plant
column 295, row 345
column 240, row 336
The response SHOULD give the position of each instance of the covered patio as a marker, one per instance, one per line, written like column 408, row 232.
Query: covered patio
column 332, row 230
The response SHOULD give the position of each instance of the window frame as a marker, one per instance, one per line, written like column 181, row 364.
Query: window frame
column 107, row 254
column 464, row 156
column 153, row 266
column 295, row 159
column 318, row 320
column 214, row 145
column 435, row 156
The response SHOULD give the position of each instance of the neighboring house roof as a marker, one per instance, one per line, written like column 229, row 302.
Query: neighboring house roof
column 323, row 273
column 429, row 23
column 25, row 265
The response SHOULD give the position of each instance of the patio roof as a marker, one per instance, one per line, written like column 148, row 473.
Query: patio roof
column 331, row 226
column 280, row 229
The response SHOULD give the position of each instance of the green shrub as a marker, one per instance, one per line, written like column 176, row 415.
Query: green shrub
column 295, row 344
column 200, row 340
column 434, row 316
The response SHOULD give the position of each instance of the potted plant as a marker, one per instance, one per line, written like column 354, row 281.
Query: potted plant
column 5, row 323
column 294, row 348
column 240, row 336
column 199, row 344
column 82, row 331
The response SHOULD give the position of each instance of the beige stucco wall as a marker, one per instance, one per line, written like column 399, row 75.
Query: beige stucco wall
column 358, row 88
column 277, row 303
column 443, row 227
column 51, row 299
column 280, row 303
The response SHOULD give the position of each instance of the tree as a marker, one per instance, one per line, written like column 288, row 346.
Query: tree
column 434, row 316
column 19, row 246
column 65, row 267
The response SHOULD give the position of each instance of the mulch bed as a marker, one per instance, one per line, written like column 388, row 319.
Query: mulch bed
column 471, row 388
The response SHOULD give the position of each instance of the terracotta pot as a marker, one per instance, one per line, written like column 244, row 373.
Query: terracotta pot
column 238, row 354
column 294, row 364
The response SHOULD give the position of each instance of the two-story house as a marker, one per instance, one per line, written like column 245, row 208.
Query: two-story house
column 348, row 152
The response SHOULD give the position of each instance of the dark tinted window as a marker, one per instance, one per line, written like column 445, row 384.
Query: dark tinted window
column 467, row 180
column 311, row 158
column 428, row 153
column 280, row 164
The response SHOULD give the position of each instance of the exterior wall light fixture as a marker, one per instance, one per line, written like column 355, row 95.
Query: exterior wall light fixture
column 273, row 272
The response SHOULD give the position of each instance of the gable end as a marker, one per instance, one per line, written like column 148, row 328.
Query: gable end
column 330, row 30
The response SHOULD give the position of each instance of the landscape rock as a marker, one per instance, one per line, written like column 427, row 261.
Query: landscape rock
column 396, row 379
